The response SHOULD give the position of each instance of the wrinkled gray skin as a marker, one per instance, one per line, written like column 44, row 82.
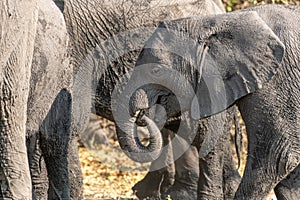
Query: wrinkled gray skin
column 51, row 144
column 35, row 69
column 250, row 58
column 91, row 23
column 217, row 178
column 35, row 103
column 17, row 27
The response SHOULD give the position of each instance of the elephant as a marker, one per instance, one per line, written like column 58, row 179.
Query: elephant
column 17, row 25
column 50, row 130
column 249, row 58
column 98, row 30
column 92, row 25
column 50, row 133
column 39, row 158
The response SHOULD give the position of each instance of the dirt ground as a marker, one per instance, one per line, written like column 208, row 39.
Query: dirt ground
column 109, row 174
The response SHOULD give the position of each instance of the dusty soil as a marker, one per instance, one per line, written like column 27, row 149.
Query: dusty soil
column 109, row 174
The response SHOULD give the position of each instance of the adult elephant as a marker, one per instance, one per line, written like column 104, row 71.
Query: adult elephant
column 51, row 141
column 248, row 57
column 17, row 25
column 36, row 81
column 106, row 38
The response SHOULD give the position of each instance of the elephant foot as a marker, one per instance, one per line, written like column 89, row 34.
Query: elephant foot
column 185, row 187
column 181, row 191
column 149, row 187
column 153, row 185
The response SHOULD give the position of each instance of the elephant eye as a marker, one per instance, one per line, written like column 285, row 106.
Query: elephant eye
column 157, row 71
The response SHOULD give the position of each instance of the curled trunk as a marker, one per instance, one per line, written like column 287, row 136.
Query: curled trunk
column 131, row 144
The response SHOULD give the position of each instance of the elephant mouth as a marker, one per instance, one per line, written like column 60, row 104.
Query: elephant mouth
column 156, row 113
column 141, row 131
column 140, row 121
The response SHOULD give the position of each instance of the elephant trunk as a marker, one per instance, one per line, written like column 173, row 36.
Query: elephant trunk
column 137, row 106
column 131, row 144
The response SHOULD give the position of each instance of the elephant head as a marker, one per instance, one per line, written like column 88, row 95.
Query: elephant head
column 206, row 63
column 138, row 113
column 232, row 55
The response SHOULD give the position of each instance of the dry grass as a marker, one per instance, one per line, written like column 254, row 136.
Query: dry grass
column 108, row 173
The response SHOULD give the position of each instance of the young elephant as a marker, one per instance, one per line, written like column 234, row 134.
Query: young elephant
column 249, row 58
column 114, row 32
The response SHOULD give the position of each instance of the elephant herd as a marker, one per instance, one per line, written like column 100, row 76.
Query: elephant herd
column 182, row 69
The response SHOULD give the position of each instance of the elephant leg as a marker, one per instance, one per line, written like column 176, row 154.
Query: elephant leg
column 289, row 188
column 219, row 178
column 212, row 166
column 231, row 177
column 18, row 26
column 256, row 184
column 187, row 175
column 169, row 165
column 168, row 180
column 55, row 136
column 161, row 173
column 263, row 173
column 273, row 145
column 39, row 177
column 75, row 174
column 211, row 176
column 37, row 167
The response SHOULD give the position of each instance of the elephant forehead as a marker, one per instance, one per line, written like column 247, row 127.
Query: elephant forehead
column 153, row 73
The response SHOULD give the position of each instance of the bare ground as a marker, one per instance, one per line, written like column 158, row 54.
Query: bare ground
column 109, row 174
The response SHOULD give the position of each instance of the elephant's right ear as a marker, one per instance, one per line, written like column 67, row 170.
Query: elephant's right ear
column 242, row 54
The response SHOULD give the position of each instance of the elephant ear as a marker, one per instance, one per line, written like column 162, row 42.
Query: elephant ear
column 242, row 54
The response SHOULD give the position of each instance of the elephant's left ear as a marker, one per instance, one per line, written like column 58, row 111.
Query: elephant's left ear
column 239, row 54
